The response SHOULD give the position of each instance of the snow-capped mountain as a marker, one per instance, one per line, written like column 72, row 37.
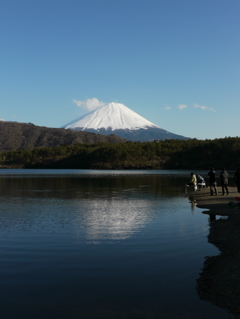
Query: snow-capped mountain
column 116, row 118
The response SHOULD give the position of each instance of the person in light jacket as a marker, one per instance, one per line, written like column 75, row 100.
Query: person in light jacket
column 193, row 181
column 224, row 180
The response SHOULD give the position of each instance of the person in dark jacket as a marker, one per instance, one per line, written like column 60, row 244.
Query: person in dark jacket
column 212, row 181
column 224, row 180
column 237, row 178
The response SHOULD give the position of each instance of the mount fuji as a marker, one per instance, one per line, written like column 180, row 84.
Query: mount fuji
column 116, row 118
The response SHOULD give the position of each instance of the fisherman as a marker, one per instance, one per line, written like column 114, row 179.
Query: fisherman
column 193, row 181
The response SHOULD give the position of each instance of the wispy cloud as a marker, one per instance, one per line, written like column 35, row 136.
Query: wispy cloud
column 202, row 107
column 182, row 106
column 167, row 107
column 2, row 120
column 89, row 104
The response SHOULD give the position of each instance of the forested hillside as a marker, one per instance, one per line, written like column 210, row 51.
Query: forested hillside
column 176, row 154
column 15, row 136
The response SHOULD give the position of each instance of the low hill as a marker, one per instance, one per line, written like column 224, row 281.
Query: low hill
column 16, row 136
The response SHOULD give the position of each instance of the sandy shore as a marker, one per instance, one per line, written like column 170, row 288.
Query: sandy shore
column 219, row 281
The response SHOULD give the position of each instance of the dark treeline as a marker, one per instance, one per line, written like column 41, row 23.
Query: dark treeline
column 195, row 154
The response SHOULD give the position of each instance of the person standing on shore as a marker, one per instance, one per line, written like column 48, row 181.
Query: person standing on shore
column 212, row 181
column 193, row 181
column 224, row 180
column 237, row 177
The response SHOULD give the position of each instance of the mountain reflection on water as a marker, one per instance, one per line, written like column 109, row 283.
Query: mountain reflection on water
column 80, row 244
column 105, row 207
column 114, row 219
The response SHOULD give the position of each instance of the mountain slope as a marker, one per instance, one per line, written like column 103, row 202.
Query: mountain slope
column 116, row 118
column 15, row 136
column 112, row 116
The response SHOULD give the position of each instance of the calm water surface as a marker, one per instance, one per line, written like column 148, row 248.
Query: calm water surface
column 101, row 244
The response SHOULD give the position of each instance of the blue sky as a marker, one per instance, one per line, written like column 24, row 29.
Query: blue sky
column 174, row 62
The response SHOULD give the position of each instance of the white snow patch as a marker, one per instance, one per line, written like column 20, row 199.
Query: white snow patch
column 113, row 115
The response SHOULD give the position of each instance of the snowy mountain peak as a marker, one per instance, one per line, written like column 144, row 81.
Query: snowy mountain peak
column 116, row 118
column 112, row 116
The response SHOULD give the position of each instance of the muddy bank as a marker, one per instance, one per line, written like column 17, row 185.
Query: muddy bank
column 219, row 281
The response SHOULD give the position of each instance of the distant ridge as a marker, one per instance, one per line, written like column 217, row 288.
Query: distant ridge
column 15, row 136
column 118, row 119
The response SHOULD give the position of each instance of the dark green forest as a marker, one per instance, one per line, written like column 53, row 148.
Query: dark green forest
column 167, row 154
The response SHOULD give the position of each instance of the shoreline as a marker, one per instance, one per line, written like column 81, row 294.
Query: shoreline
column 219, row 281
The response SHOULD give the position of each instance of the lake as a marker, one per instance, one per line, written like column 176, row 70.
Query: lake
column 101, row 244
